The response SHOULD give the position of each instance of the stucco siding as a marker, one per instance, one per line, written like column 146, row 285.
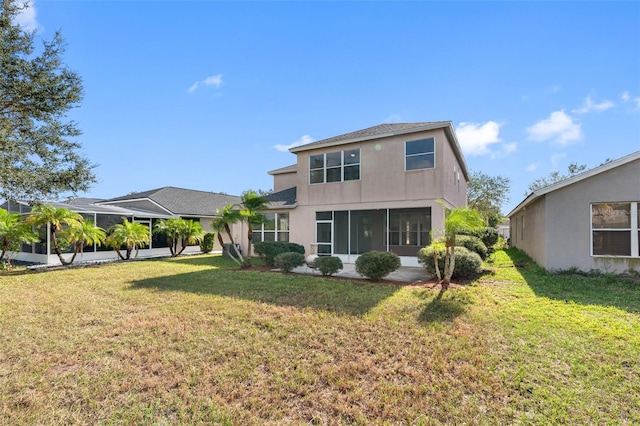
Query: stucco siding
column 282, row 181
column 558, row 224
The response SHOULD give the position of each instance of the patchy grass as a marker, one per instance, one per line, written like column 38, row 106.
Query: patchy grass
column 193, row 340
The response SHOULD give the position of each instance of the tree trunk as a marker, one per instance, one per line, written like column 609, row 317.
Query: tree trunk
column 56, row 248
column 240, row 259
column 119, row 254
column 224, row 249
column 435, row 262
column 184, row 246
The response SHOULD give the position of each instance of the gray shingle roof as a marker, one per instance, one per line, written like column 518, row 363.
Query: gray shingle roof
column 380, row 130
column 286, row 169
column 284, row 198
column 180, row 201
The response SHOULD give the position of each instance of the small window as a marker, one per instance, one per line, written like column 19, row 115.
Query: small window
column 420, row 154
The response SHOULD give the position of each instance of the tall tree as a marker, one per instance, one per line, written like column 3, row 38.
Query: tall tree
column 553, row 177
column 130, row 235
column 58, row 219
column 487, row 194
column 252, row 207
column 13, row 232
column 40, row 158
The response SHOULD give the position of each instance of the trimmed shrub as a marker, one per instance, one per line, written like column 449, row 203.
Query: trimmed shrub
column 467, row 263
column 377, row 264
column 489, row 237
column 289, row 260
column 327, row 265
column 473, row 244
column 207, row 242
column 268, row 250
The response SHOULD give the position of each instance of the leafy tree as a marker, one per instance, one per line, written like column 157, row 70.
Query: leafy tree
column 180, row 233
column 458, row 220
column 58, row 219
column 86, row 232
column 553, row 177
column 40, row 158
column 130, row 235
column 226, row 217
column 487, row 194
column 252, row 206
column 13, row 232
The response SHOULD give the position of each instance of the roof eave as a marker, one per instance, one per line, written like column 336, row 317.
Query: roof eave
column 314, row 145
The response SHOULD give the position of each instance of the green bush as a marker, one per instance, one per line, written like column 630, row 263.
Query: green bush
column 327, row 265
column 289, row 260
column 377, row 264
column 466, row 264
column 489, row 237
column 268, row 250
column 207, row 242
column 473, row 244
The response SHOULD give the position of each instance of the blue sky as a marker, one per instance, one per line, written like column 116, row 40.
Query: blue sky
column 206, row 95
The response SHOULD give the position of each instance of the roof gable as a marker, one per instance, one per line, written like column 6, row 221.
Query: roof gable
column 575, row 179
column 180, row 201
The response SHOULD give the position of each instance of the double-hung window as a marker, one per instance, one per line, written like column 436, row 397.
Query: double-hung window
column 335, row 166
column 420, row 154
column 615, row 229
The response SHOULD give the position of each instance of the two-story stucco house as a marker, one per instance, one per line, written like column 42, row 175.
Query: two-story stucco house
column 372, row 189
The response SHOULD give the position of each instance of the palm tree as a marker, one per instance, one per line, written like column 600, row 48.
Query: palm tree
column 58, row 219
column 456, row 221
column 86, row 232
column 13, row 232
column 131, row 235
column 190, row 232
column 171, row 228
column 252, row 206
column 226, row 217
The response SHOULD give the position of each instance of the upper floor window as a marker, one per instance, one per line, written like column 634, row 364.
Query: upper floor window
column 335, row 166
column 615, row 229
column 420, row 154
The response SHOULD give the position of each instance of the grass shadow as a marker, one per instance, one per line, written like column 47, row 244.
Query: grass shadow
column 446, row 306
column 220, row 279
column 610, row 290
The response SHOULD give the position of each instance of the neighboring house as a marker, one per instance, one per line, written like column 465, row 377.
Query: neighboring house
column 504, row 229
column 588, row 221
column 373, row 189
column 144, row 207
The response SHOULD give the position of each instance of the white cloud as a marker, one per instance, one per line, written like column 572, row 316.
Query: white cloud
column 531, row 167
column 626, row 97
column 214, row 80
column 559, row 127
column 302, row 141
column 589, row 105
column 476, row 138
column 27, row 17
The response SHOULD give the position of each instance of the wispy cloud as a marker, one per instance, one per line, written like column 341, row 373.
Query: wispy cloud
column 531, row 167
column 302, row 141
column 27, row 17
column 589, row 105
column 475, row 138
column 214, row 80
column 559, row 127
column 626, row 97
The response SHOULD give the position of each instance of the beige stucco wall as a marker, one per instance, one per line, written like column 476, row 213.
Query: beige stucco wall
column 382, row 175
column 565, row 233
column 531, row 237
column 282, row 181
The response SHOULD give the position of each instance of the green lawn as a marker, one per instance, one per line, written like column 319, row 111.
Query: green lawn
column 193, row 340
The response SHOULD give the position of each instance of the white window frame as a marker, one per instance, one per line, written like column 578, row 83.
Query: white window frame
column 634, row 229
column 341, row 166
column 330, row 244
column 276, row 228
